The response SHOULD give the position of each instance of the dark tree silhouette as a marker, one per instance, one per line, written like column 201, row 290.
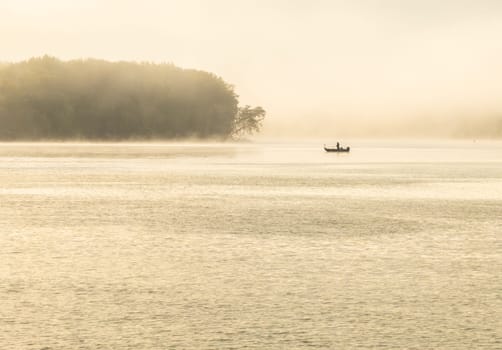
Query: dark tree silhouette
column 45, row 98
column 248, row 120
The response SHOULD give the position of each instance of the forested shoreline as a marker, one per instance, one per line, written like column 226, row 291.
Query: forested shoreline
column 46, row 98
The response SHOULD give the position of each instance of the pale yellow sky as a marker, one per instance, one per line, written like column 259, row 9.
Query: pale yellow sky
column 313, row 65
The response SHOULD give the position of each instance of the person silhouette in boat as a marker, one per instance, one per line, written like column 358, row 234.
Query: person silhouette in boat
column 338, row 146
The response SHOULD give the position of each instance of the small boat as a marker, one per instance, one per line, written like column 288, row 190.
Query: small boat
column 336, row 149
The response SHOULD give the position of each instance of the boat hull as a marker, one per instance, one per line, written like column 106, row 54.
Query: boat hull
column 338, row 150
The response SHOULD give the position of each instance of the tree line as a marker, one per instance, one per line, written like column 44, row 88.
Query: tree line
column 46, row 98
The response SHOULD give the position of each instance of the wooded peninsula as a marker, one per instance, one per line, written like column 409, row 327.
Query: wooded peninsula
column 46, row 98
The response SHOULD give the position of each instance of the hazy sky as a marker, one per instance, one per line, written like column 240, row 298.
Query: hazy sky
column 315, row 65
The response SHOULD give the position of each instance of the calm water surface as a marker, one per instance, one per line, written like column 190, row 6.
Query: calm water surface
column 258, row 246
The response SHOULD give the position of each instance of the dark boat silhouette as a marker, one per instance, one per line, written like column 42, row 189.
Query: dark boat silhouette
column 336, row 149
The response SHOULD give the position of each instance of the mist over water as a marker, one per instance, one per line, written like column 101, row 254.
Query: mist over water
column 266, row 245
column 364, row 68
column 258, row 244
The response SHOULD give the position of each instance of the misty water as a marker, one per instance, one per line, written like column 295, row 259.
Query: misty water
column 260, row 246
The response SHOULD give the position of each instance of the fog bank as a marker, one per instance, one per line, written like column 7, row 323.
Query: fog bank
column 361, row 68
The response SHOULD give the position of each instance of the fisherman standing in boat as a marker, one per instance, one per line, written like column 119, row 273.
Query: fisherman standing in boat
column 338, row 146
